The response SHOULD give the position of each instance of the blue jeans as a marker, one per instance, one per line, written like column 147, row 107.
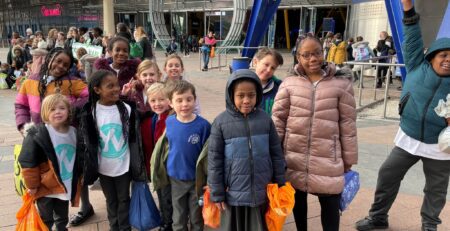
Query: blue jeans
column 205, row 54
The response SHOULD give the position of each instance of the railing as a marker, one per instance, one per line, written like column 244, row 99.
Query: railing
column 4, row 43
column 222, row 56
column 363, row 64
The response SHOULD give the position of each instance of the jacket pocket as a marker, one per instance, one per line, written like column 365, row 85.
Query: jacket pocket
column 403, row 102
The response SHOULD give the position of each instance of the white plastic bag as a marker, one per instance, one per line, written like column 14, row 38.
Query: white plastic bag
column 3, row 84
column 444, row 140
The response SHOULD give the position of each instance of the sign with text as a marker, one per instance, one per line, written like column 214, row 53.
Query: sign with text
column 50, row 12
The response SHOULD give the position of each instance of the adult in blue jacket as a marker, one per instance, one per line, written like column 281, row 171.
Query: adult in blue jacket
column 427, row 81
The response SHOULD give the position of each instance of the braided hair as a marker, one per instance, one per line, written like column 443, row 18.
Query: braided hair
column 44, row 72
column 95, row 82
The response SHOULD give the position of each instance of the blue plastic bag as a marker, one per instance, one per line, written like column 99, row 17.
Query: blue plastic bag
column 351, row 187
column 144, row 214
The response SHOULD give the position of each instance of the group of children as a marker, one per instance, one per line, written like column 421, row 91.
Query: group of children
column 108, row 128
column 131, row 123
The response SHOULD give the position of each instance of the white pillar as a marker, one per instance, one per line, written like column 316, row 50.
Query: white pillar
column 108, row 18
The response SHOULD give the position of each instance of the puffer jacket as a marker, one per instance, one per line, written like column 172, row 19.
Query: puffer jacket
column 91, row 143
column 423, row 88
column 338, row 52
column 244, row 152
column 126, row 73
column 28, row 100
column 362, row 51
column 40, row 167
column 317, row 127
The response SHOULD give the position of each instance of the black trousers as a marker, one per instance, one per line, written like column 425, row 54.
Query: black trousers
column 329, row 211
column 117, row 193
column 53, row 211
column 391, row 174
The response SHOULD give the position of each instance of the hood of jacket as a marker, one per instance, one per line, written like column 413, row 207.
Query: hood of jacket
column 360, row 44
column 329, row 70
column 436, row 46
column 241, row 74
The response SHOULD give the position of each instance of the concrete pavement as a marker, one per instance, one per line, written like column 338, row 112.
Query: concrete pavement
column 374, row 138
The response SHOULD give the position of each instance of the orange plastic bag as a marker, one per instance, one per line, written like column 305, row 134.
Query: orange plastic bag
column 28, row 217
column 212, row 54
column 281, row 203
column 211, row 214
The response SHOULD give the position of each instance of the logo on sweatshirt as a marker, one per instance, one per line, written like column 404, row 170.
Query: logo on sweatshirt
column 112, row 143
column 66, row 155
column 194, row 138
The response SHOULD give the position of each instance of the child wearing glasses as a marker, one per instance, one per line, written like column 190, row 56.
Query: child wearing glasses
column 315, row 117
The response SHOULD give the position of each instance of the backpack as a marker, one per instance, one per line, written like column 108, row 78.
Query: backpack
column 136, row 50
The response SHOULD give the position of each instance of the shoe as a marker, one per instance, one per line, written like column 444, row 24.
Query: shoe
column 369, row 223
column 166, row 227
column 80, row 218
column 429, row 227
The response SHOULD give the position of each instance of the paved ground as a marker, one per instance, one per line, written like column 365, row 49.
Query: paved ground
column 374, row 138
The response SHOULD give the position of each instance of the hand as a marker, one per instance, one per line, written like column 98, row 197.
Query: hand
column 32, row 191
column 221, row 205
column 448, row 121
column 127, row 87
column 347, row 168
column 407, row 5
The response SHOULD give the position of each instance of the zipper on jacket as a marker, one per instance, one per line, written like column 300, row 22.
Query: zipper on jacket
column 426, row 109
column 308, row 154
column 252, row 170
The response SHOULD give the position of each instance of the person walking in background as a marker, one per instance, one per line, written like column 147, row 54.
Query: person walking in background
column 385, row 47
column 97, row 34
column 317, row 125
column 123, row 30
column 427, row 82
column 361, row 52
column 208, row 42
column 144, row 42
column 337, row 53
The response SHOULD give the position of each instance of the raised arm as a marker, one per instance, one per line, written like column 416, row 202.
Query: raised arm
column 412, row 44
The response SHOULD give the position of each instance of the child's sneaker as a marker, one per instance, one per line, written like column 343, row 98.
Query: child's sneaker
column 369, row 223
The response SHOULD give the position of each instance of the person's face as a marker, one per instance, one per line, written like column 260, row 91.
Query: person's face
column 95, row 33
column 39, row 37
column 29, row 32
column 60, row 37
column 311, row 56
column 60, row 65
column 383, row 35
column 58, row 114
column 244, row 96
column 173, row 69
column 159, row 103
column 109, row 90
column 148, row 77
column 183, row 104
column 17, row 53
column 265, row 67
column 210, row 34
column 441, row 63
column 120, row 52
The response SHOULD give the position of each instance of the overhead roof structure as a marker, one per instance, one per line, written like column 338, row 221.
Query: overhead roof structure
column 239, row 8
